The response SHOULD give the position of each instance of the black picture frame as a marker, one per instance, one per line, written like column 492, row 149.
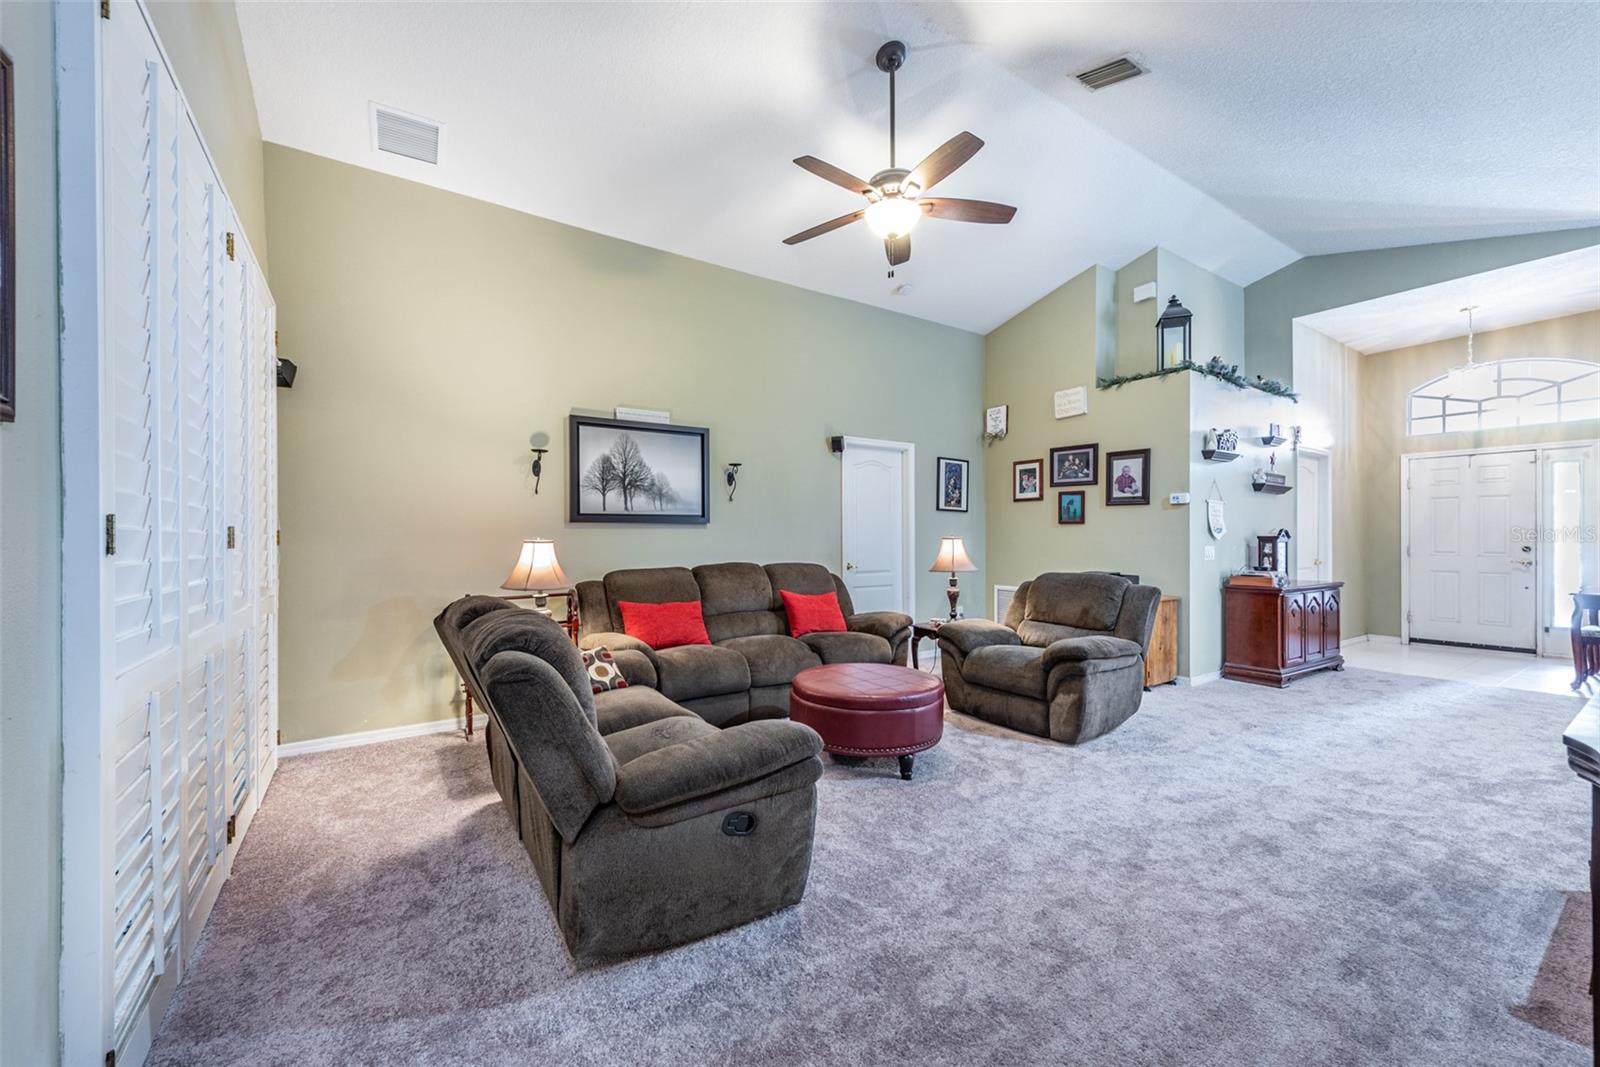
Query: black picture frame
column 1058, row 455
column 1117, row 497
column 649, row 511
column 8, row 244
column 1018, row 469
column 961, row 470
column 1062, row 511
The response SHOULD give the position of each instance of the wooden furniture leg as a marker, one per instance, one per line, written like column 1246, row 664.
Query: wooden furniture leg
column 468, row 693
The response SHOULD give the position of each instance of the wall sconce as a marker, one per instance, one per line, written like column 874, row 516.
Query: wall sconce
column 538, row 467
column 731, row 474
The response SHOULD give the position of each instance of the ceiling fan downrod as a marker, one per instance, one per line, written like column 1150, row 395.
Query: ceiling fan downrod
column 891, row 57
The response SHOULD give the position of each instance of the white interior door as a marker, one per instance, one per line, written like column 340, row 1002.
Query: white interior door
column 1471, row 558
column 877, row 515
column 1313, row 548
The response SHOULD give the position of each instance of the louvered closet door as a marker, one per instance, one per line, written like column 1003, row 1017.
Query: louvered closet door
column 266, row 510
column 142, row 128
column 236, row 360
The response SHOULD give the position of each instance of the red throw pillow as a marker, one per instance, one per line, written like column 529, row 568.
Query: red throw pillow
column 813, row 614
column 664, row 625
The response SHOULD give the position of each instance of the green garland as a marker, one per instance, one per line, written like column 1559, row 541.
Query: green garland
column 1214, row 368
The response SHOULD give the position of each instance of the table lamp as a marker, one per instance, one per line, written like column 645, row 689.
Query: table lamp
column 538, row 573
column 952, row 557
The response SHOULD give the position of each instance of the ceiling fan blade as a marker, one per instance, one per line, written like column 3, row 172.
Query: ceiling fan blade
column 946, row 207
column 945, row 159
column 824, row 227
column 829, row 172
column 898, row 249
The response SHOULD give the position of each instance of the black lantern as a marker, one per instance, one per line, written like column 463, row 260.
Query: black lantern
column 1172, row 336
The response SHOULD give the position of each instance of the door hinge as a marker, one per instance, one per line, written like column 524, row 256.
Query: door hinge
column 111, row 535
column 111, row 1053
column 277, row 537
column 230, row 246
column 1408, row 616
column 274, row 338
column 105, row 13
column 231, row 538
column 280, row 737
column 233, row 823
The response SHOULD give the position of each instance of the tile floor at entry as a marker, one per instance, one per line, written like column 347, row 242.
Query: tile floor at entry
column 1506, row 670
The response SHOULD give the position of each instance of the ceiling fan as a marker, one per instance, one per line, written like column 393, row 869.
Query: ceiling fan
column 895, row 197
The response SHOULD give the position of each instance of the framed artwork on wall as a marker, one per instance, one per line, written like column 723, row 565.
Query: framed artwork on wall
column 1069, row 507
column 952, row 484
column 1128, row 477
column 1075, row 465
column 8, row 246
column 639, row 472
column 1027, row 479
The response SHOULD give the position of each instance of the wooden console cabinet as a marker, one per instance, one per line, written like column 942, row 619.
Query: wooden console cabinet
column 1161, row 662
column 1272, row 636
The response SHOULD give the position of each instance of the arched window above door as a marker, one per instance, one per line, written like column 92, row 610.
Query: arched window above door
column 1511, row 392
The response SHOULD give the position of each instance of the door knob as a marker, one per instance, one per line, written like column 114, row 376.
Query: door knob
column 849, row 566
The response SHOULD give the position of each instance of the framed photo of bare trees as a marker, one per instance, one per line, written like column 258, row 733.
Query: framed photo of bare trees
column 645, row 472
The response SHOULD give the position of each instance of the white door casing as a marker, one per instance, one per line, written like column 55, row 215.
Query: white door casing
column 1569, row 514
column 1313, row 535
column 877, row 507
column 1469, row 559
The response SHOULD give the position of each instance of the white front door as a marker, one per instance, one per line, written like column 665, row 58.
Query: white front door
column 1311, row 535
column 1471, row 564
column 876, row 525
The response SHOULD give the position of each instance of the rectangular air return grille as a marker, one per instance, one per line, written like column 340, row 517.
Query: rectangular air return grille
column 1118, row 70
column 405, row 135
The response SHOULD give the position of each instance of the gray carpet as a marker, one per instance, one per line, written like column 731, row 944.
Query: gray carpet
column 1363, row 869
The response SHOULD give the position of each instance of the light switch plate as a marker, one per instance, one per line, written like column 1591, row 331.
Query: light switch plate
column 1211, row 552
column 1178, row 498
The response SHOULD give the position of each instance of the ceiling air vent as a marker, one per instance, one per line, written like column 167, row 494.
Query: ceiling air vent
column 1118, row 70
column 405, row 135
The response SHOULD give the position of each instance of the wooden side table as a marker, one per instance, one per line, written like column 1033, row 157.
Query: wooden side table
column 1161, row 662
column 919, row 630
column 1585, row 636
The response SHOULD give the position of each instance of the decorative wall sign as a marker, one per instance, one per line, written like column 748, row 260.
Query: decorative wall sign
column 952, row 474
column 640, row 472
column 1128, row 477
column 1070, row 402
column 994, row 423
column 1216, row 520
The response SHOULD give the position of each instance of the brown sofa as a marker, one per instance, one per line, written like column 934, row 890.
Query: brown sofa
column 1068, row 662
column 747, row 668
column 647, row 826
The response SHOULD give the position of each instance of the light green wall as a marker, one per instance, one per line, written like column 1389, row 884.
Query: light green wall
column 1053, row 345
column 201, row 38
column 1321, row 282
column 1133, row 346
column 1386, row 379
column 30, row 570
column 436, row 334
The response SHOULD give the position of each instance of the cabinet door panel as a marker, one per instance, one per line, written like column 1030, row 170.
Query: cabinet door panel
column 1294, row 629
column 1313, row 619
column 1330, row 623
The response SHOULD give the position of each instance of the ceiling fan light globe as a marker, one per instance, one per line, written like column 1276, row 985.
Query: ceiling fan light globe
column 893, row 216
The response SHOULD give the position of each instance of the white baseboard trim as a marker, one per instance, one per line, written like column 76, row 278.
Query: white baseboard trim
column 1382, row 639
column 1199, row 679
column 373, row 737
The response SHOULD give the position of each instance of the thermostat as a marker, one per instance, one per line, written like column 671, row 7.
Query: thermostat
column 1178, row 498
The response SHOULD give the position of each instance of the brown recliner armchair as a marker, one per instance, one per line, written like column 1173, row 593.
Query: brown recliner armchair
column 649, row 835
column 1068, row 663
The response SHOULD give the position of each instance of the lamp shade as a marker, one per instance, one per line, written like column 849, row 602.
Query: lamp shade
column 952, row 556
column 537, row 570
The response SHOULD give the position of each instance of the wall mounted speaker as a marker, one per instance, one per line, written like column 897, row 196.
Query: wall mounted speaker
column 286, row 372
column 837, row 445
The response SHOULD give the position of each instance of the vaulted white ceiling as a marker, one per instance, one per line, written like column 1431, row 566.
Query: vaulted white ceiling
column 1261, row 132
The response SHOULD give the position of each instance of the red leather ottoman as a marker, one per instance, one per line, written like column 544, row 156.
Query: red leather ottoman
column 870, row 709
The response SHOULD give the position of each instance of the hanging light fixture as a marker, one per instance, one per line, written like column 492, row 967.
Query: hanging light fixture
column 1470, row 377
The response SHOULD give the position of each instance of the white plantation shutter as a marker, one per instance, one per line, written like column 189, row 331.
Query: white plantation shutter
column 185, row 736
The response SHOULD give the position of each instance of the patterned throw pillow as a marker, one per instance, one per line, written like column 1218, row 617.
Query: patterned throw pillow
column 604, row 674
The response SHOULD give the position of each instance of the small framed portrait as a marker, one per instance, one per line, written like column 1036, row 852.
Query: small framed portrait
column 1069, row 507
column 952, row 484
column 1027, row 479
column 1075, row 465
column 1128, row 477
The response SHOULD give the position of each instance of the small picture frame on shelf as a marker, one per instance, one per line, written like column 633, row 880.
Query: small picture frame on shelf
column 1027, row 479
column 1070, row 507
column 1128, row 477
column 952, row 485
column 1075, row 465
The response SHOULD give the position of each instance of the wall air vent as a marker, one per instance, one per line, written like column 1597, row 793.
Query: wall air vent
column 405, row 135
column 1118, row 70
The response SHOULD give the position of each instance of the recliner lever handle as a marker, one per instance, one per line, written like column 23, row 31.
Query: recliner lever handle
column 739, row 824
